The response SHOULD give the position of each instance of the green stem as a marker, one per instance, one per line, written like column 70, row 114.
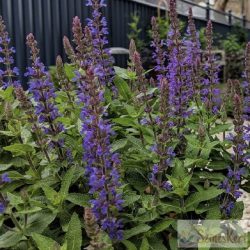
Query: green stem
column 16, row 222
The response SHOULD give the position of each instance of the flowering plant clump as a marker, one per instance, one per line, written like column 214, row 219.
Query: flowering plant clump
column 93, row 156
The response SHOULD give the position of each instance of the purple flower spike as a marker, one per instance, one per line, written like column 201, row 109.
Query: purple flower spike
column 210, row 95
column 43, row 92
column 101, row 57
column 9, row 73
column 101, row 164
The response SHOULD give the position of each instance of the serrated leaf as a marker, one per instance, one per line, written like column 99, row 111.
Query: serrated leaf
column 10, row 239
column 161, row 226
column 214, row 213
column 124, row 121
column 25, row 135
column 19, row 149
column 4, row 167
column 205, row 195
column 74, row 234
column 79, row 199
column 173, row 206
column 119, row 144
column 137, row 180
column 237, row 211
column 129, row 245
column 219, row 128
column 7, row 133
column 51, row 195
column 142, row 228
column 123, row 88
column 130, row 198
column 14, row 200
column 45, row 243
column 66, row 183
column 144, row 244
column 38, row 222
column 30, row 211
column 137, row 142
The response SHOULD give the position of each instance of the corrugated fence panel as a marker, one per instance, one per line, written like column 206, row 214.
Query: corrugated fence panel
column 50, row 20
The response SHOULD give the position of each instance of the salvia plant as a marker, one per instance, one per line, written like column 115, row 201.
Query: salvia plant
column 94, row 156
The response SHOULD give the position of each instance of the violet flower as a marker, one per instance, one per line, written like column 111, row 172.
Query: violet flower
column 8, row 73
column 246, row 88
column 84, row 44
column 4, row 178
column 101, row 56
column 192, row 57
column 232, row 183
column 101, row 164
column 43, row 92
column 159, row 55
column 178, row 74
column 210, row 95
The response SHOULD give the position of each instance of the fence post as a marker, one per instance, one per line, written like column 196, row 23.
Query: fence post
column 208, row 10
column 244, row 21
column 230, row 17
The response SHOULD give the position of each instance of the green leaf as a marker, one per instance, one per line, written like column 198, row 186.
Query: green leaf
column 237, row 211
column 119, row 144
column 74, row 234
column 123, row 88
column 136, row 142
column 66, row 183
column 7, row 94
column 30, row 211
column 4, row 166
column 161, row 226
column 130, row 198
column 214, row 213
column 218, row 165
column 8, row 133
column 142, row 228
column 144, row 244
column 205, row 195
column 137, row 180
column 173, row 243
column 219, row 128
column 51, row 195
column 190, row 162
column 14, row 175
column 14, row 200
column 129, row 245
column 124, row 73
column 169, row 207
column 45, row 243
column 19, row 149
column 25, row 135
column 124, row 121
column 10, row 239
column 156, row 242
column 38, row 222
column 79, row 199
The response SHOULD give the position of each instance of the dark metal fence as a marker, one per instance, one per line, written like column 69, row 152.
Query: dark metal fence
column 50, row 20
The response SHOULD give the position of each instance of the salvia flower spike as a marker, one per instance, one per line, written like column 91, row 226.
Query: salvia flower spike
column 210, row 94
column 43, row 92
column 8, row 73
column 232, row 182
column 101, row 57
column 159, row 54
column 101, row 164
